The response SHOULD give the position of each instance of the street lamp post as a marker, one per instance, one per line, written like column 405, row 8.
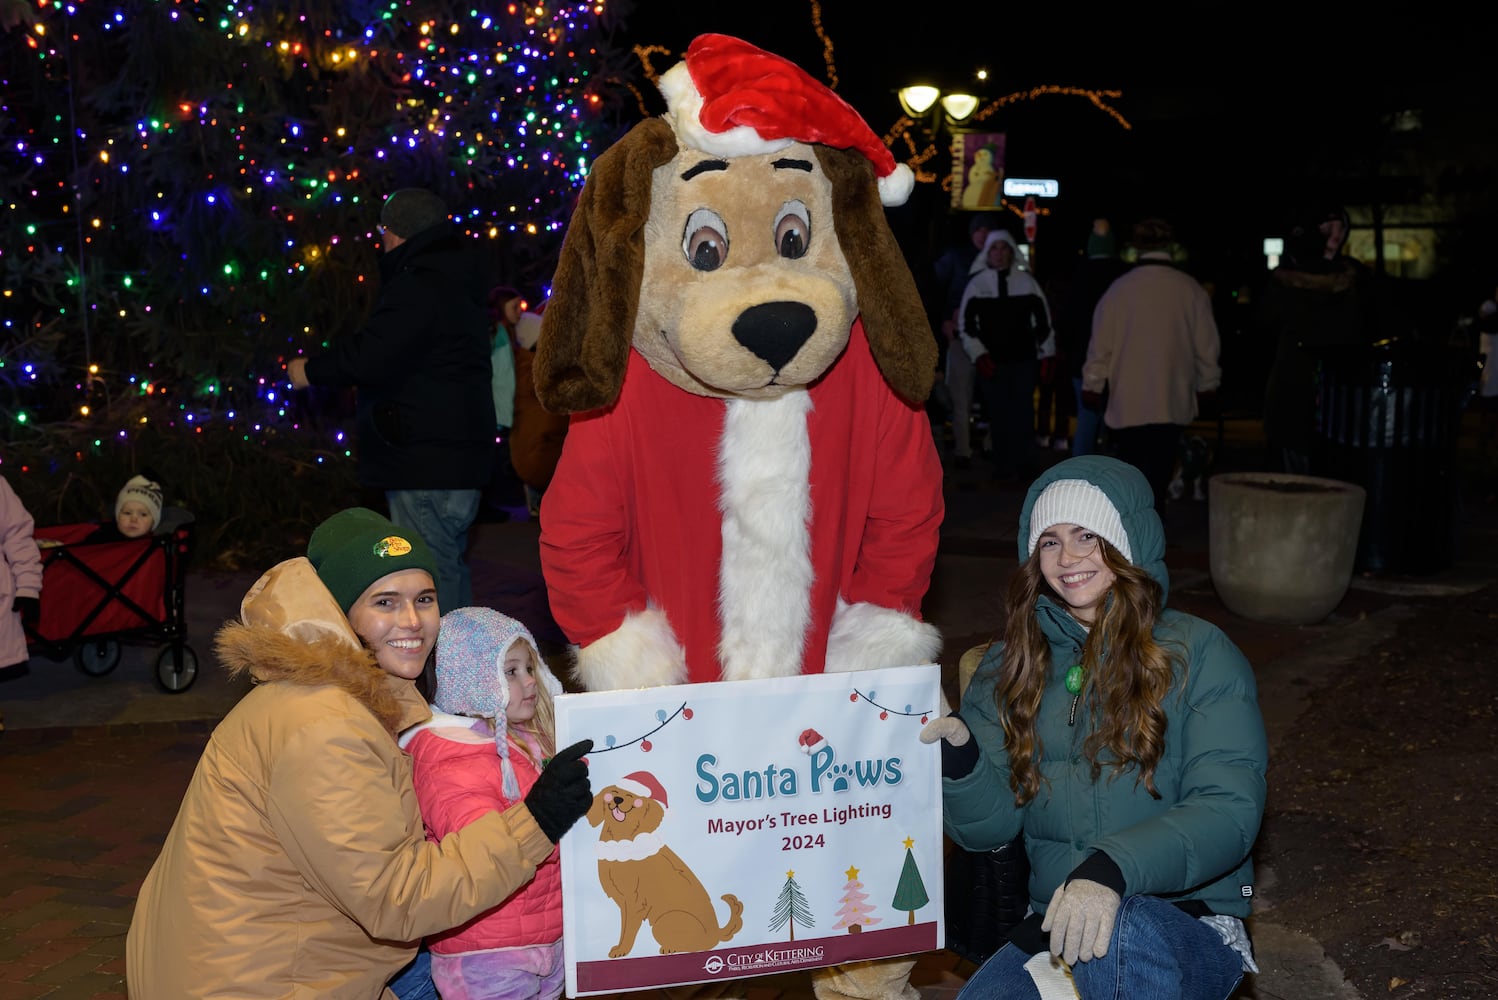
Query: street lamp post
column 945, row 109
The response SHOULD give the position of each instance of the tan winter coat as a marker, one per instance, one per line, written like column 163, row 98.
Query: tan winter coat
column 297, row 866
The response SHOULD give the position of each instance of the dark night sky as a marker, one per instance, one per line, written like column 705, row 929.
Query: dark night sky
column 1228, row 101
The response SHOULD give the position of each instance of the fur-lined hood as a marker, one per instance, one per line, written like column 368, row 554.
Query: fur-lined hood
column 290, row 629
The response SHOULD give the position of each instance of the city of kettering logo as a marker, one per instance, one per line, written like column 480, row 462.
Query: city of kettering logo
column 769, row 958
column 392, row 545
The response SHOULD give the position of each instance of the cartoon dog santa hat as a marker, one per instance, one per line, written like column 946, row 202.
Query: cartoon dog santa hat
column 643, row 785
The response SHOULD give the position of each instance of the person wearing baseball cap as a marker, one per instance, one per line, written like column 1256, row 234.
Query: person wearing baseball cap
column 298, row 861
column 1123, row 741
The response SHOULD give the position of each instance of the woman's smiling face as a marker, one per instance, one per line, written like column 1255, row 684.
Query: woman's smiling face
column 1071, row 560
column 397, row 617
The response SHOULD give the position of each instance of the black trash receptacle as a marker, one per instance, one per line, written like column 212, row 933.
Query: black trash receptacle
column 1387, row 418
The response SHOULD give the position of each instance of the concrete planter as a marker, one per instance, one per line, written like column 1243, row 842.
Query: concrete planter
column 1281, row 547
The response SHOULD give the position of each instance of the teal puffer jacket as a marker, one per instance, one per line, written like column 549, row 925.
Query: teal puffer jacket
column 1191, row 843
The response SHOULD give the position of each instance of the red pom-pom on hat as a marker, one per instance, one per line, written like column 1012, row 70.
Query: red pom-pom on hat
column 730, row 98
column 644, row 785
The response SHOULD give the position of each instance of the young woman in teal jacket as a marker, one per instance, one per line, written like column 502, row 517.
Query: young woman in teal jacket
column 1124, row 740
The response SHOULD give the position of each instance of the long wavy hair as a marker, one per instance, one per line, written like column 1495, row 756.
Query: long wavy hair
column 1127, row 675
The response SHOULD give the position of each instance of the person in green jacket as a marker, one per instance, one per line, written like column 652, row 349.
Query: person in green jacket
column 1124, row 741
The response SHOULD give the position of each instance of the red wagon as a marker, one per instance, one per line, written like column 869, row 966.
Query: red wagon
column 98, row 595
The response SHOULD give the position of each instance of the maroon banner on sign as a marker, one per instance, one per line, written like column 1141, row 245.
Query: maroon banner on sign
column 763, row 960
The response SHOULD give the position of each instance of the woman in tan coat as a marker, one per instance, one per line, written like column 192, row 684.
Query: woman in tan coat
column 297, row 866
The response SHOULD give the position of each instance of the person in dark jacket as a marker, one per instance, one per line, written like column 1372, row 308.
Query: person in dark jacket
column 422, row 370
column 1093, row 274
column 1123, row 740
column 1318, row 302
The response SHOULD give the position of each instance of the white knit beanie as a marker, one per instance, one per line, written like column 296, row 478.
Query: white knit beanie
column 1076, row 501
column 141, row 489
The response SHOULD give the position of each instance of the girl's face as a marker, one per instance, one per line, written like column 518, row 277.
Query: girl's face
column 397, row 617
column 520, row 674
column 1071, row 560
column 133, row 520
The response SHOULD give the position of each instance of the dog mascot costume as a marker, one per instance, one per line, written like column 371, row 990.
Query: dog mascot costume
column 749, row 486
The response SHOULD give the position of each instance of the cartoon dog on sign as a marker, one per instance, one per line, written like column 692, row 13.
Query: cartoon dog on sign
column 646, row 879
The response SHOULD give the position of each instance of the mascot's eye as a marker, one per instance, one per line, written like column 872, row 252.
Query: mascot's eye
column 792, row 230
column 705, row 241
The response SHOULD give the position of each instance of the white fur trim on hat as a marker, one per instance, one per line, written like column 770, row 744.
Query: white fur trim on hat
column 1076, row 501
column 684, row 112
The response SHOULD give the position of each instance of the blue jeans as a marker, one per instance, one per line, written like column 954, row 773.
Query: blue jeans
column 414, row 982
column 1156, row 951
column 442, row 519
column 1089, row 425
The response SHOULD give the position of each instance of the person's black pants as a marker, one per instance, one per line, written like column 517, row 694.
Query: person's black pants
column 1150, row 448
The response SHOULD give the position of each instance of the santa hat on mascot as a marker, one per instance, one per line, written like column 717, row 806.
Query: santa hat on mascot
column 729, row 98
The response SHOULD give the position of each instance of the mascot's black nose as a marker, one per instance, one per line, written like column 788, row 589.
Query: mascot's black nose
column 775, row 331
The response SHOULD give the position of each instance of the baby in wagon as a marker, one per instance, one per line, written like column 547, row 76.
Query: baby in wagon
column 137, row 511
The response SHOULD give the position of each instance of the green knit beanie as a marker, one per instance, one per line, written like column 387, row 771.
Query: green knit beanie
column 355, row 547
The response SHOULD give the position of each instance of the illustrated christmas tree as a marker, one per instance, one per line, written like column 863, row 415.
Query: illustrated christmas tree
column 910, row 891
column 791, row 906
column 853, row 909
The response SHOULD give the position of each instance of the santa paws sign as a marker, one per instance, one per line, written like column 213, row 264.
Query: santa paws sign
column 753, row 827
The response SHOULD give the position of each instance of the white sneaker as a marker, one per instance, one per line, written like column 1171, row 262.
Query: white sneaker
column 1042, row 440
column 1061, row 444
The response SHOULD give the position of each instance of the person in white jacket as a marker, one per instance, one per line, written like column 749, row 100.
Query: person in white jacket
column 1005, row 324
column 1154, row 350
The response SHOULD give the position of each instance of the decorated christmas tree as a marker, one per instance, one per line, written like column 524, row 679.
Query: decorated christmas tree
column 189, row 191
column 853, row 910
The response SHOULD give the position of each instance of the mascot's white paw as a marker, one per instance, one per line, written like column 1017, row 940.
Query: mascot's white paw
column 867, row 637
column 641, row 652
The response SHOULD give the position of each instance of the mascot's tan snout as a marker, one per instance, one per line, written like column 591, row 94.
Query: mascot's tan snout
column 646, row 879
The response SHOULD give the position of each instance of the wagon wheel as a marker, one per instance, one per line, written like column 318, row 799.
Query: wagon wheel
column 98, row 657
column 176, row 668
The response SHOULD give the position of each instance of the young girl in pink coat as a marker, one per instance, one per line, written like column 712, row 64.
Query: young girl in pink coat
column 492, row 728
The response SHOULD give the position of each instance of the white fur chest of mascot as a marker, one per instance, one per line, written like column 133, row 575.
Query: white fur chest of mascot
column 749, row 486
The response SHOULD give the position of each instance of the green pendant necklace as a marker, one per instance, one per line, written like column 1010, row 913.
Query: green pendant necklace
column 1074, row 677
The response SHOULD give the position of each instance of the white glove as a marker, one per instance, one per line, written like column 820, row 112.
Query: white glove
column 1080, row 920
column 949, row 728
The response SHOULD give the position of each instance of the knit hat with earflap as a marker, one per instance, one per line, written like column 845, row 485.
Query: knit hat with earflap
column 356, row 547
column 1104, row 495
column 729, row 98
column 142, row 490
column 471, row 648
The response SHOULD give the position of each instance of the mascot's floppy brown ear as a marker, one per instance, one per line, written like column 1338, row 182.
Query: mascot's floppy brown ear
column 893, row 317
column 589, row 321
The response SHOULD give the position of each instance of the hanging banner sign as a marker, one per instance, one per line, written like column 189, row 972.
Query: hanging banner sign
column 749, row 828
column 977, row 170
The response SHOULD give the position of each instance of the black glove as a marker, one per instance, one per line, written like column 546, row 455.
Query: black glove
column 1092, row 400
column 985, row 366
column 561, row 794
column 29, row 608
column 1206, row 405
